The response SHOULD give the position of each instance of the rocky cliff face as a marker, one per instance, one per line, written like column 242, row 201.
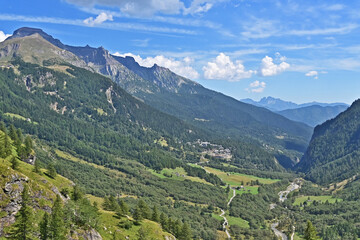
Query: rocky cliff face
column 11, row 199
column 90, row 234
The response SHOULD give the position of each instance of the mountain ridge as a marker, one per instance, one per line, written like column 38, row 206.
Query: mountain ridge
column 333, row 153
column 189, row 101
column 277, row 104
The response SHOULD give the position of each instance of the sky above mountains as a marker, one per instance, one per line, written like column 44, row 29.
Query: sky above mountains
column 295, row 50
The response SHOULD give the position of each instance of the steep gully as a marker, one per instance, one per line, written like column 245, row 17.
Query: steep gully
column 296, row 184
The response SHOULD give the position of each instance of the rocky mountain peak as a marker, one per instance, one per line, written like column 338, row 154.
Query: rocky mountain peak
column 27, row 31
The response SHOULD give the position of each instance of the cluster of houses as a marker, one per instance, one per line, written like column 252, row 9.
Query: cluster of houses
column 215, row 150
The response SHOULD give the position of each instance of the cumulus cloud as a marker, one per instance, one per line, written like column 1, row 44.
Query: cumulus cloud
column 269, row 68
column 314, row 74
column 224, row 69
column 181, row 67
column 256, row 87
column 3, row 36
column 102, row 17
column 136, row 8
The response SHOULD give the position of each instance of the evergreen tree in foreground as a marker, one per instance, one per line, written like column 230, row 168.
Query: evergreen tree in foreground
column 51, row 171
column 14, row 163
column 44, row 227
column 23, row 226
column 185, row 233
column 155, row 215
column 310, row 232
column 37, row 168
column 56, row 226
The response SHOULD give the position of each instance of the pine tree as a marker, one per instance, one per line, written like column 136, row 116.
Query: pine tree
column 185, row 232
column 177, row 228
column 14, row 163
column 23, row 226
column 51, row 171
column 37, row 168
column 310, row 232
column 155, row 215
column 163, row 221
column 137, row 214
column 77, row 193
column 19, row 139
column 28, row 145
column 7, row 146
column 123, row 208
column 44, row 227
column 145, row 210
column 12, row 133
column 2, row 126
column 56, row 226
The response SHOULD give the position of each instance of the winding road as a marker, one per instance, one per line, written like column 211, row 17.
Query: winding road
column 226, row 223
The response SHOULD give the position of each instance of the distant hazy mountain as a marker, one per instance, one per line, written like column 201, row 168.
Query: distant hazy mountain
column 333, row 153
column 276, row 104
column 313, row 115
column 176, row 95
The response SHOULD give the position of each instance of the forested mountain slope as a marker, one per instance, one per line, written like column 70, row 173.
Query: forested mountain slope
column 188, row 100
column 38, row 203
column 333, row 153
column 212, row 110
column 71, row 113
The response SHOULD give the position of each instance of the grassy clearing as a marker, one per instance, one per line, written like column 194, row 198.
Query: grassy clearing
column 61, row 68
column 177, row 174
column 323, row 199
column 70, row 157
column 248, row 189
column 238, row 221
column 17, row 116
column 194, row 165
column 236, row 179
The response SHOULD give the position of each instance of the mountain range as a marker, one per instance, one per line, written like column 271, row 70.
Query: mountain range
column 166, row 91
column 312, row 113
column 187, row 161
column 277, row 104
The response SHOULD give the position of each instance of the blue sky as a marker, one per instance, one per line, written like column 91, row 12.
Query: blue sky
column 296, row 50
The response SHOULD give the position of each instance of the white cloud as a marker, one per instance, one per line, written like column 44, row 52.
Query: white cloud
column 325, row 31
column 3, row 36
column 102, row 17
column 136, row 8
column 269, row 68
column 181, row 67
column 256, row 87
column 225, row 69
column 313, row 73
column 114, row 26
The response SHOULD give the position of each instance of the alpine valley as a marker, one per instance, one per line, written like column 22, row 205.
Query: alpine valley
column 96, row 146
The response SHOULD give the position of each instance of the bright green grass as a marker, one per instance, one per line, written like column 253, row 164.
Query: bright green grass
column 236, row 180
column 181, row 171
column 109, row 224
column 248, row 189
column 238, row 221
column 216, row 216
column 194, row 165
column 17, row 116
column 323, row 199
